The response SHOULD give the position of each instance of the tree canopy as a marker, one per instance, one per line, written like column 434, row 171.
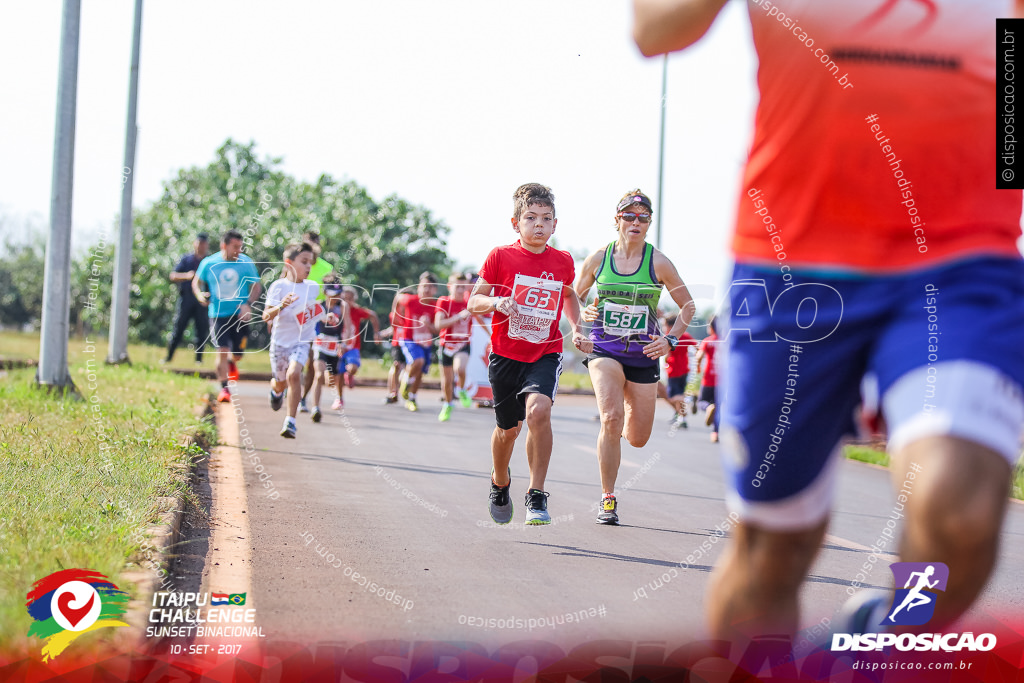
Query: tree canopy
column 369, row 243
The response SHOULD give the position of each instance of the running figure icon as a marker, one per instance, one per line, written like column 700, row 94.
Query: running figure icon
column 916, row 597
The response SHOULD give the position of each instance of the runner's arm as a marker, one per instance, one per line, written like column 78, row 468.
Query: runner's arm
column 667, row 274
column 588, row 276
column 661, row 26
column 480, row 301
column 1019, row 7
column 374, row 323
column 199, row 289
column 571, row 310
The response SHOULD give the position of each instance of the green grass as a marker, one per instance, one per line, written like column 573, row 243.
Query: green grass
column 868, row 455
column 876, row 457
column 79, row 478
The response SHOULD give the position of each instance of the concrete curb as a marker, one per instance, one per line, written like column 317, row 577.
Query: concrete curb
column 158, row 547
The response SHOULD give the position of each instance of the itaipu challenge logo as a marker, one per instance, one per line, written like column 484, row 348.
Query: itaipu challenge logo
column 68, row 603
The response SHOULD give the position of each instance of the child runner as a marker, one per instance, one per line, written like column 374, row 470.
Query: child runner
column 453, row 319
column 526, row 285
column 328, row 349
column 708, row 398
column 415, row 319
column 292, row 305
column 677, row 369
column 352, row 360
column 629, row 274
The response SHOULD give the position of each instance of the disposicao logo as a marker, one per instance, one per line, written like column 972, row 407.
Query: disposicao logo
column 914, row 605
column 68, row 603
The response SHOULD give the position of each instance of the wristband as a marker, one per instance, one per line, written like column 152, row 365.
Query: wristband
column 672, row 340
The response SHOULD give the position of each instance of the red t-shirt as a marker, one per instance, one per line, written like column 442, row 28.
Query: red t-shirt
column 708, row 346
column 873, row 146
column 537, row 282
column 458, row 333
column 408, row 320
column 677, row 362
column 358, row 315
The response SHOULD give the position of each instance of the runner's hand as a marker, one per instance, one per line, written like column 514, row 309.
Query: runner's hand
column 582, row 343
column 245, row 313
column 332, row 319
column 589, row 314
column 658, row 347
column 507, row 306
column 289, row 299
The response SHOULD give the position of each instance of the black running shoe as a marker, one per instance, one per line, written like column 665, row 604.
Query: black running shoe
column 276, row 401
column 501, row 503
column 316, row 415
column 537, row 507
column 609, row 511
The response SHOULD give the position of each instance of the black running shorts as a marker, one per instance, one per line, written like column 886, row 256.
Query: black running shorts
column 511, row 380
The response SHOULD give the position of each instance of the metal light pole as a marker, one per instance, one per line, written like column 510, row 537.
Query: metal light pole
column 55, row 324
column 661, row 152
column 117, row 351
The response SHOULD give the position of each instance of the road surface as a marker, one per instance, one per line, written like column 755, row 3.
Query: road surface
column 374, row 525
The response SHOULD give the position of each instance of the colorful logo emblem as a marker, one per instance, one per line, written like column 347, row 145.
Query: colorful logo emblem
column 68, row 603
column 914, row 603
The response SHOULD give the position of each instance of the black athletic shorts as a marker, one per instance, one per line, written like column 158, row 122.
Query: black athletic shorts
column 447, row 357
column 647, row 374
column 511, row 380
column 707, row 393
column 333, row 362
column 228, row 333
column 397, row 355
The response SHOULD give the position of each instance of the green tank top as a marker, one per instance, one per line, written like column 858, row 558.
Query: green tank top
column 627, row 308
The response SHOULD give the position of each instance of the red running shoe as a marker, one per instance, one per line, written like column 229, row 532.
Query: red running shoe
column 232, row 371
column 224, row 396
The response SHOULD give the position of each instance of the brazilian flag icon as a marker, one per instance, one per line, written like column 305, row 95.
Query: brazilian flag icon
column 237, row 598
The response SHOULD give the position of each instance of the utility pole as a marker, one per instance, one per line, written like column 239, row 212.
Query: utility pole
column 53, row 339
column 661, row 151
column 117, row 351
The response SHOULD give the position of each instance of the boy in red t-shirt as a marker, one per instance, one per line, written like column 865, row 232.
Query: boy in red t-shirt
column 414, row 329
column 677, row 369
column 352, row 360
column 453, row 319
column 526, row 284
column 707, row 398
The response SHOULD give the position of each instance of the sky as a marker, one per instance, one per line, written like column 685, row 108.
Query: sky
column 450, row 104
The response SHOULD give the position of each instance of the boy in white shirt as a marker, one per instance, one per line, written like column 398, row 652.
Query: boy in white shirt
column 292, row 305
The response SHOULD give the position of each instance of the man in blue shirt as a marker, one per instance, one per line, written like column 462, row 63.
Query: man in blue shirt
column 189, row 309
column 228, row 284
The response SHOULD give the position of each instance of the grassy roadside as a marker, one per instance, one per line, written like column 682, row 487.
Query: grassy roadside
column 875, row 457
column 79, row 479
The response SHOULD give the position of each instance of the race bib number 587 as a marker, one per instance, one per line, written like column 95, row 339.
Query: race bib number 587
column 536, row 296
column 622, row 321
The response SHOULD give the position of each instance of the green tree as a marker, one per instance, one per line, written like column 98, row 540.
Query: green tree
column 369, row 243
column 21, row 282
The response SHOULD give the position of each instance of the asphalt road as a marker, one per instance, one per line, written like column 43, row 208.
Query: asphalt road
column 398, row 502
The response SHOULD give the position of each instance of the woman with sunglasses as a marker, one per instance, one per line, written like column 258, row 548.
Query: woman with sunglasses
column 629, row 275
